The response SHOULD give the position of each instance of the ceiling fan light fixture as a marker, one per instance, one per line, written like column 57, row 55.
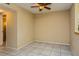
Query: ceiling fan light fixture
column 41, row 7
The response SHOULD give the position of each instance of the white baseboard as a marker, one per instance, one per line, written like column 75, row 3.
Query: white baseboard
column 52, row 42
column 25, row 45
column 19, row 47
column 37, row 41
column 11, row 48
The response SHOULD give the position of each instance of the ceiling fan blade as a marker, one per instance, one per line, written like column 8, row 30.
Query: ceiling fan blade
column 47, row 8
column 41, row 6
column 45, row 4
column 34, row 6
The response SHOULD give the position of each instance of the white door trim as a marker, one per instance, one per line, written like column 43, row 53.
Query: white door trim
column 1, row 30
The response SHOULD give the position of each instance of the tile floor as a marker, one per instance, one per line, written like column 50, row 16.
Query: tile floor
column 38, row 49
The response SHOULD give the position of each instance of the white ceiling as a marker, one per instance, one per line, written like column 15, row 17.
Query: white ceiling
column 53, row 6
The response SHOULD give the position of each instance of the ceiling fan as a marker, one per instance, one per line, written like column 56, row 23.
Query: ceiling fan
column 41, row 6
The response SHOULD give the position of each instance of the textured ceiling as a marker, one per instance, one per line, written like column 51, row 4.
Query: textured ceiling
column 53, row 6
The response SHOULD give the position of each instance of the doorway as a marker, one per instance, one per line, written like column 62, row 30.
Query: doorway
column 2, row 30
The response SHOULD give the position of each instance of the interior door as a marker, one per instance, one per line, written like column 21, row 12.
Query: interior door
column 1, row 30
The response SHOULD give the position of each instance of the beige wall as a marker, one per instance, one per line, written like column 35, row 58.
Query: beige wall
column 11, row 34
column 74, row 37
column 53, row 27
column 25, row 25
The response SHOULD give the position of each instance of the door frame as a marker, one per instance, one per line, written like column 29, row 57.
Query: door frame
column 1, row 29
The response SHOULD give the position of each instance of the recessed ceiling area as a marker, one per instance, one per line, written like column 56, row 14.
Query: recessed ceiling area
column 53, row 6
